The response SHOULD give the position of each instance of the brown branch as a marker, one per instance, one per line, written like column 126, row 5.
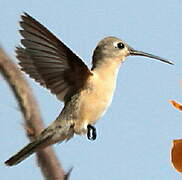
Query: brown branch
column 47, row 160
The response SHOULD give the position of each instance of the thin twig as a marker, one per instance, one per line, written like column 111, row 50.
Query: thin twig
column 47, row 160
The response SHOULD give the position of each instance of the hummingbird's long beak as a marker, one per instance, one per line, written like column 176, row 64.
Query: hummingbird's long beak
column 134, row 52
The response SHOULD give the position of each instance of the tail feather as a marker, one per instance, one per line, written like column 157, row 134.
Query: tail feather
column 48, row 137
column 24, row 153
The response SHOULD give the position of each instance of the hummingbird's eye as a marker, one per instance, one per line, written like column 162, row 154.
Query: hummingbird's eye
column 120, row 45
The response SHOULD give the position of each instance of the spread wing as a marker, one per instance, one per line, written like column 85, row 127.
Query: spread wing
column 47, row 60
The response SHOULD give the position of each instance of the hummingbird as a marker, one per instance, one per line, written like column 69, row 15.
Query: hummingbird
column 86, row 93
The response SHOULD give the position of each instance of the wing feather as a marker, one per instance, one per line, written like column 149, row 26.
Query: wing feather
column 49, row 61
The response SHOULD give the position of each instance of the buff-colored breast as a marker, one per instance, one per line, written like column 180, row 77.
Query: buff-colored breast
column 95, row 98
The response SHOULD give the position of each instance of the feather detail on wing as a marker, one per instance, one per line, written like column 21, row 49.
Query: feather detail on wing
column 49, row 61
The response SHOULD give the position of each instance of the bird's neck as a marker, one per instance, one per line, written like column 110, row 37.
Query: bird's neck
column 107, row 68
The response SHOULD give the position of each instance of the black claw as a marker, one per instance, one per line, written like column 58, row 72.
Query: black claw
column 91, row 132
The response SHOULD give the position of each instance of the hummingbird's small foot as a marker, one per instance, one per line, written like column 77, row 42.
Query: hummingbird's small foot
column 91, row 132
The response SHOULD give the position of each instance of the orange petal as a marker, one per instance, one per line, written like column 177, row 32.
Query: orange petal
column 176, row 155
column 176, row 105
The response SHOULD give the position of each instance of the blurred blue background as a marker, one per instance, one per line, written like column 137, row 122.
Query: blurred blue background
column 135, row 135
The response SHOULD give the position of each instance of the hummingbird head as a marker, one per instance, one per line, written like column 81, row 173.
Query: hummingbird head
column 112, row 48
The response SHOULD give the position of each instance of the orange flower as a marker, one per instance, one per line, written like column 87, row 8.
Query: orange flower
column 176, row 155
column 176, row 105
column 176, row 152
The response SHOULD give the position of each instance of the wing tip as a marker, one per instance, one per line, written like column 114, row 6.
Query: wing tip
column 25, row 14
